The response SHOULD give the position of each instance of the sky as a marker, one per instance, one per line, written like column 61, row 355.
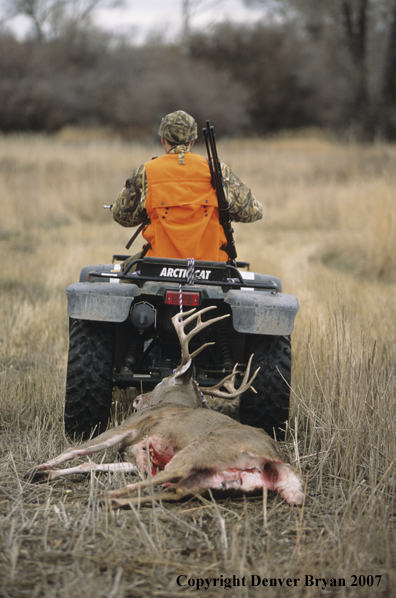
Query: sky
column 139, row 18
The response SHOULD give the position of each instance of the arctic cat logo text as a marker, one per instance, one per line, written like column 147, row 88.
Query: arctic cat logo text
column 182, row 273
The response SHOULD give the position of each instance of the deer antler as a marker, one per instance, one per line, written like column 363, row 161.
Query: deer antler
column 229, row 384
column 179, row 322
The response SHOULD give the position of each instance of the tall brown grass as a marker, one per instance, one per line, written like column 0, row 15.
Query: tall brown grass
column 329, row 232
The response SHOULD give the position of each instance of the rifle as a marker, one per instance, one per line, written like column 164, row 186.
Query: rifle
column 217, row 184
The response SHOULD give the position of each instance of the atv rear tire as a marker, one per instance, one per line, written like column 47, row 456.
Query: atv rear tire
column 269, row 408
column 89, row 383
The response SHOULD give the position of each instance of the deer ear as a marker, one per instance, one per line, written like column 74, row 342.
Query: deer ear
column 185, row 373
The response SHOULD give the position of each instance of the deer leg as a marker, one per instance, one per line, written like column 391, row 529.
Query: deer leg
column 172, row 494
column 175, row 471
column 163, row 477
column 44, row 476
column 101, row 442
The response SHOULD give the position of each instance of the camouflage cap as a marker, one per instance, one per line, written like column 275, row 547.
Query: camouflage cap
column 178, row 127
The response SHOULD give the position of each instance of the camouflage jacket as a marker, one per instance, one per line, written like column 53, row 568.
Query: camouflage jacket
column 130, row 206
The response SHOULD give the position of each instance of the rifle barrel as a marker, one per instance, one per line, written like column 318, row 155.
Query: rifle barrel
column 217, row 183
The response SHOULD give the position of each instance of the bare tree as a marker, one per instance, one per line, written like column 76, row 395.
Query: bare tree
column 49, row 16
column 190, row 8
column 389, row 80
column 364, row 31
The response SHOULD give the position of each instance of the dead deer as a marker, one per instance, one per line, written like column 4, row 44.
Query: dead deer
column 183, row 448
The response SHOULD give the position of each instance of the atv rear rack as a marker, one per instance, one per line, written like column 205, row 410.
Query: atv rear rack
column 173, row 270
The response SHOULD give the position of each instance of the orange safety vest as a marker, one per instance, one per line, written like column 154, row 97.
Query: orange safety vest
column 183, row 210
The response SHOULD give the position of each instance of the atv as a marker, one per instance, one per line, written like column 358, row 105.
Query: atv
column 121, row 335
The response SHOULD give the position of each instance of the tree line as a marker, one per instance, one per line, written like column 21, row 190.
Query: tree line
column 305, row 68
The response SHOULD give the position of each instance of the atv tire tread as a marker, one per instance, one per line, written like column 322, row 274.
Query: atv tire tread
column 269, row 408
column 89, row 383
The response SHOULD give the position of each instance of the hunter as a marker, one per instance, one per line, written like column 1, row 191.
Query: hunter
column 174, row 197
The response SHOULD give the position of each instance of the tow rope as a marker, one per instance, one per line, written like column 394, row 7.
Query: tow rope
column 190, row 281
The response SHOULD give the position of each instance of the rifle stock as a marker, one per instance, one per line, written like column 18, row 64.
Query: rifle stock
column 217, row 184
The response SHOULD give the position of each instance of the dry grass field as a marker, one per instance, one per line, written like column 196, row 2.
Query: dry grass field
column 329, row 232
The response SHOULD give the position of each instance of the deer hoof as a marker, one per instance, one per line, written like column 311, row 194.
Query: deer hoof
column 101, row 500
column 120, row 503
column 35, row 475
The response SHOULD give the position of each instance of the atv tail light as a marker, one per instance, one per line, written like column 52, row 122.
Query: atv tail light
column 173, row 298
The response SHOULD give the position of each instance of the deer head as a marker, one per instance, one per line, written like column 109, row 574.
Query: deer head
column 180, row 387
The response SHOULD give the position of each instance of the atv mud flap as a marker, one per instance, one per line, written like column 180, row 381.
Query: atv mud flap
column 104, row 302
column 262, row 313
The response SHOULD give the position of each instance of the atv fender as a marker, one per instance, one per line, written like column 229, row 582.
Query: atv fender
column 104, row 302
column 262, row 313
